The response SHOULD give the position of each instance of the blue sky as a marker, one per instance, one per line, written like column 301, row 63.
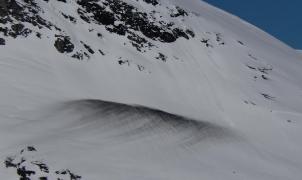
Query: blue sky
column 280, row 18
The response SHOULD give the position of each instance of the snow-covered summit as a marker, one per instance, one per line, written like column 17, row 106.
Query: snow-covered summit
column 147, row 89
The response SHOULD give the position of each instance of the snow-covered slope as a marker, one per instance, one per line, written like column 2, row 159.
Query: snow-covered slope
column 145, row 89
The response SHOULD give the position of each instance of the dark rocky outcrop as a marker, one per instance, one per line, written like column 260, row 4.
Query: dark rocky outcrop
column 130, row 19
column 153, row 2
column 2, row 41
column 162, row 57
column 63, row 44
column 178, row 12
column 25, row 165
column 118, row 17
column 88, row 48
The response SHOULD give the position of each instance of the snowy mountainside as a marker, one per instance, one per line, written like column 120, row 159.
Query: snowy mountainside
column 145, row 89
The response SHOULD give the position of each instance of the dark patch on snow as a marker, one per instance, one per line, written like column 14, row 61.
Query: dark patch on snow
column 251, row 67
column 19, row 30
column 206, row 42
column 63, row 44
column 265, row 70
column 24, row 173
column 140, row 67
column 140, row 43
column 99, row 35
column 39, row 35
column 240, row 42
column 29, row 149
column 78, row 56
column 70, row 18
column 88, row 48
column 129, row 63
column 69, row 173
column 178, row 12
column 9, row 162
column 250, row 102
column 264, row 77
column 2, row 41
column 190, row 32
column 267, row 96
column 43, row 167
column 219, row 39
column 118, row 29
column 162, row 57
column 122, row 62
column 102, row 53
column 156, row 122
column 153, row 2
column 253, row 57
column 64, row 1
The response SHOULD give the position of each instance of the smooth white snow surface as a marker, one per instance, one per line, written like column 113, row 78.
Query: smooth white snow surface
column 239, row 123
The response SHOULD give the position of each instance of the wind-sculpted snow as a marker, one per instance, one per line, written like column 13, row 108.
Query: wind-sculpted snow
column 136, row 122
column 123, row 124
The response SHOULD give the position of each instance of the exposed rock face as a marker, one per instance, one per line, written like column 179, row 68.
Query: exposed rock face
column 63, row 44
column 141, row 29
column 130, row 18
column 2, row 41
column 119, row 17
column 28, row 167
column 153, row 2
column 12, row 11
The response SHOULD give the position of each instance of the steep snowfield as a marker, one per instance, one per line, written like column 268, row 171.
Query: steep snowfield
column 222, row 103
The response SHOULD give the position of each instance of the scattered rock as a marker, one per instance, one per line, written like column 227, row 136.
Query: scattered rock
column 63, row 44
column 267, row 96
column 140, row 67
column 162, row 57
column 43, row 167
column 153, row 2
column 207, row 42
column 78, row 56
column 67, row 172
column 130, row 18
column 265, row 69
column 178, row 12
column 88, row 48
column 251, row 67
column 2, row 41
column 70, row 18
column 122, row 62
column 102, row 53
column 25, row 165
column 219, row 39
column 253, row 57
column 264, row 77
column 240, row 42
